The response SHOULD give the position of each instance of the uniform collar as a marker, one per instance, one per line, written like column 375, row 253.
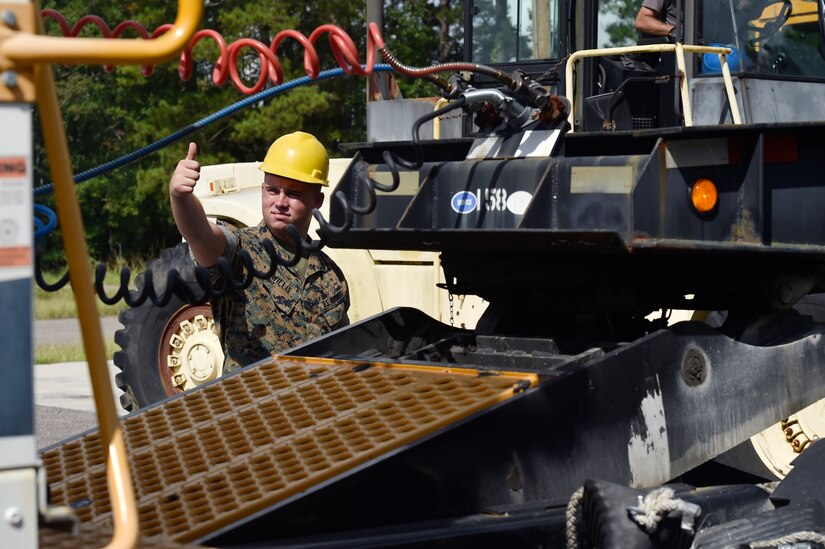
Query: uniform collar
column 313, row 262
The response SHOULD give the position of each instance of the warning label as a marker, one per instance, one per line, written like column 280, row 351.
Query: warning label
column 15, row 215
column 12, row 167
column 17, row 256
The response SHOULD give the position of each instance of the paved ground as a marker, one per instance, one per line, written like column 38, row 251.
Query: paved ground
column 56, row 424
column 64, row 402
column 62, row 392
column 65, row 331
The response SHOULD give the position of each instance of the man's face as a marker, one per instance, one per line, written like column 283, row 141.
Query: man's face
column 287, row 201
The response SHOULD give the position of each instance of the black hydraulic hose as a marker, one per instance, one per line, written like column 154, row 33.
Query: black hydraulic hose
column 41, row 282
column 453, row 66
column 176, row 285
column 363, row 180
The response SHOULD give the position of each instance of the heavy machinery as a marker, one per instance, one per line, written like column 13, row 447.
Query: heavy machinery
column 576, row 206
column 166, row 350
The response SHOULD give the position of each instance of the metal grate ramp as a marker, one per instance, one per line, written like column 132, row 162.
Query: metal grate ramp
column 89, row 536
column 254, row 439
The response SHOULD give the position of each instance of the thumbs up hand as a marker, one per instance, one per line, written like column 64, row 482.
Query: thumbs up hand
column 186, row 174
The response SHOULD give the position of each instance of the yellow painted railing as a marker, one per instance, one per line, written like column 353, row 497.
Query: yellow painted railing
column 680, row 50
column 28, row 49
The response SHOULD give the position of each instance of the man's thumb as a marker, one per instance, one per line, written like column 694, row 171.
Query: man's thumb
column 192, row 154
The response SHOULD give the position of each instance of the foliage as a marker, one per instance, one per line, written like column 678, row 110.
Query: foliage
column 495, row 36
column 621, row 30
column 109, row 114
column 420, row 34
column 106, row 115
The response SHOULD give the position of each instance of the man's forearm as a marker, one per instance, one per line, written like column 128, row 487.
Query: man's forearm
column 205, row 239
column 648, row 23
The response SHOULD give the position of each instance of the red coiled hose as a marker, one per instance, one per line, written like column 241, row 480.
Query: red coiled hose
column 226, row 65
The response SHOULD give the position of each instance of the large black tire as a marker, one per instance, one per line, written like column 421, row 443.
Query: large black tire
column 144, row 376
column 745, row 457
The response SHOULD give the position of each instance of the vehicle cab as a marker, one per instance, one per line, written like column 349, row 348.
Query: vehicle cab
column 776, row 59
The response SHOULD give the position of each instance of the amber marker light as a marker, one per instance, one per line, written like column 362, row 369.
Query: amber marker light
column 703, row 195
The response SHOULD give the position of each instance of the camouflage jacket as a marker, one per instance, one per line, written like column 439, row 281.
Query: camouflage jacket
column 277, row 313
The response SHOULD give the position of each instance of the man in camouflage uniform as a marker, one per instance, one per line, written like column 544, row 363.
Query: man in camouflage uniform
column 294, row 304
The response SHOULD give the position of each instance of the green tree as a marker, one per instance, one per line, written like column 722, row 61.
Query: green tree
column 423, row 33
column 495, row 37
column 107, row 115
column 620, row 16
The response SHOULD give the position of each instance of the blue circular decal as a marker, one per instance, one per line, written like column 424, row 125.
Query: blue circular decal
column 464, row 202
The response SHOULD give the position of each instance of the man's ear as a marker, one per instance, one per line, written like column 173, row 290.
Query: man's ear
column 319, row 200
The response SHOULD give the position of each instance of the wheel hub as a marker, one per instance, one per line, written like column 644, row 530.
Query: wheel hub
column 201, row 361
column 781, row 443
column 191, row 349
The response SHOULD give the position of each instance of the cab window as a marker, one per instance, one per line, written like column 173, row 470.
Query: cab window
column 772, row 38
column 508, row 31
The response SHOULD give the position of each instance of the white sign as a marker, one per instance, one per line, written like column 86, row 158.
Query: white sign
column 16, row 226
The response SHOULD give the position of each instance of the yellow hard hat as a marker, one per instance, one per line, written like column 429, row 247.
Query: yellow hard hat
column 299, row 156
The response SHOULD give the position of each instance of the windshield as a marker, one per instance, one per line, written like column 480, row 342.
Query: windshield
column 509, row 31
column 776, row 38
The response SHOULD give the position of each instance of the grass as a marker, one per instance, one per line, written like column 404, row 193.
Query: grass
column 61, row 304
column 51, row 354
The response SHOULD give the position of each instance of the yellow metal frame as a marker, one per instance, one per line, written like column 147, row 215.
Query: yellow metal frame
column 28, row 49
column 531, row 378
column 23, row 49
column 680, row 50
column 803, row 11
column 437, row 122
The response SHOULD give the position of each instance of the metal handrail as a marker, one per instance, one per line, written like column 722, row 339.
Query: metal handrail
column 442, row 102
column 680, row 49
column 25, row 49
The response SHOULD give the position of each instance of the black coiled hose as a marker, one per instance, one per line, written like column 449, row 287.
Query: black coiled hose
column 175, row 285
column 370, row 185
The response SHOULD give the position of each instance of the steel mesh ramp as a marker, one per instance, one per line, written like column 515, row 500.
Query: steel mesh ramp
column 253, row 440
column 89, row 536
